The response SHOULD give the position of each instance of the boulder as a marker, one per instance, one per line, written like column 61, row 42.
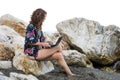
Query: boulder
column 18, row 76
column 6, row 51
column 5, row 64
column 20, row 61
column 17, row 24
column 74, row 57
column 10, row 36
column 2, row 77
column 8, row 39
column 116, row 66
column 99, row 43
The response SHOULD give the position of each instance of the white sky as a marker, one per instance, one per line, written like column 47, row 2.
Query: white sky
column 106, row 12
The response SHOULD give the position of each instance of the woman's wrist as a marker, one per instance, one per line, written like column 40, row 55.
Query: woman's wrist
column 39, row 44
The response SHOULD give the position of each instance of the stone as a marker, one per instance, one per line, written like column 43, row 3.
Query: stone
column 2, row 77
column 5, row 64
column 20, row 61
column 73, row 57
column 16, row 24
column 99, row 43
column 18, row 76
column 116, row 66
column 6, row 51
column 10, row 36
column 1, row 73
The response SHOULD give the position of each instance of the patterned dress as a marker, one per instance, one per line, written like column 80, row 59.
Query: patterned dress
column 32, row 37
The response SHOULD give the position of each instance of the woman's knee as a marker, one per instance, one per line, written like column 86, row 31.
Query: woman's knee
column 59, row 48
column 60, row 55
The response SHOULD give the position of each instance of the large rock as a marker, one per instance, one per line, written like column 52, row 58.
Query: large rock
column 10, row 36
column 2, row 77
column 17, row 24
column 6, row 51
column 20, row 61
column 5, row 64
column 74, row 57
column 83, row 74
column 18, row 76
column 8, row 39
column 100, row 44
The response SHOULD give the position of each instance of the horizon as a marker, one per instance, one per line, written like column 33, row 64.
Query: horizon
column 103, row 11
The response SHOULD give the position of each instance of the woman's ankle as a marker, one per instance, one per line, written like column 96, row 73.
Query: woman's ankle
column 69, row 75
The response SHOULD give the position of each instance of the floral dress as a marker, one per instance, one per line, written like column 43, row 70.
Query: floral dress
column 32, row 37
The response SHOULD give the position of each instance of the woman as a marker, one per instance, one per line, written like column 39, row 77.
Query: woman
column 35, row 45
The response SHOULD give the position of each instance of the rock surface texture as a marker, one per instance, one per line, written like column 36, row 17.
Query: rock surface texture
column 99, row 43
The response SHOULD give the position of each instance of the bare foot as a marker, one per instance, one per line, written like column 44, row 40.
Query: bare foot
column 73, row 75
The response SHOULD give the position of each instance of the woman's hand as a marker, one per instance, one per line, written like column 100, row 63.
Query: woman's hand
column 43, row 44
column 49, row 42
column 46, row 44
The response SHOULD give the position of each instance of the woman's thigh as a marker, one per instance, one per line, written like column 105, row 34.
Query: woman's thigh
column 55, row 56
column 45, row 53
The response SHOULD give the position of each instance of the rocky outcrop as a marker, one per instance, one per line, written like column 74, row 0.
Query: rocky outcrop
column 8, row 39
column 99, row 43
column 17, row 76
column 73, row 57
column 16, row 24
column 117, row 66
column 82, row 74
column 6, row 51
column 13, row 43
column 10, row 36
column 88, row 41
column 5, row 64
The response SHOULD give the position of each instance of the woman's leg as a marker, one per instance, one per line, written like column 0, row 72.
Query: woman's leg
column 54, row 53
column 59, row 57
column 45, row 53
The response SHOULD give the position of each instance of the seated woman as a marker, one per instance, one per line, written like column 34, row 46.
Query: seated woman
column 35, row 45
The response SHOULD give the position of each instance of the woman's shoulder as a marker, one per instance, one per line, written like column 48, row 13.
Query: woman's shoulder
column 30, row 26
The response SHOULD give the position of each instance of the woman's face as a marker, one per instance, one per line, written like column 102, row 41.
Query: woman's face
column 41, row 22
column 44, row 17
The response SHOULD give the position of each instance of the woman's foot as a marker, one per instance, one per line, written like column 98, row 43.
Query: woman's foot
column 69, row 75
column 73, row 75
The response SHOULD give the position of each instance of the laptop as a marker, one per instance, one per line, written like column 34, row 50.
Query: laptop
column 57, row 42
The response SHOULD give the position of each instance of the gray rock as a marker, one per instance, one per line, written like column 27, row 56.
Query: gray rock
column 5, row 64
column 6, row 51
column 2, row 77
column 74, row 57
column 100, row 44
column 82, row 74
column 117, row 66
column 18, row 76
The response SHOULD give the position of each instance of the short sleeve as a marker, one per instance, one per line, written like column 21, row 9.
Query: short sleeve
column 30, row 34
column 42, row 38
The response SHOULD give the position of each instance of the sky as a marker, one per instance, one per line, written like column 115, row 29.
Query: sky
column 106, row 12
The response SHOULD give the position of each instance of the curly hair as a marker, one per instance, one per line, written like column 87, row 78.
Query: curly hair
column 38, row 17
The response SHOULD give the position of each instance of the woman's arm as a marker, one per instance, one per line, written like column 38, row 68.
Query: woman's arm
column 43, row 44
